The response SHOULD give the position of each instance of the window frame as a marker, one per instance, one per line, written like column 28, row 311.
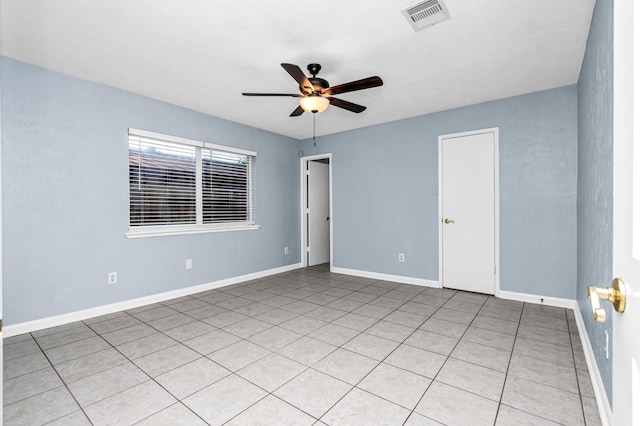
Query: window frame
column 140, row 231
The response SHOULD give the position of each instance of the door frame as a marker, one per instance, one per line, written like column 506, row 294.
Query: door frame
column 496, row 200
column 304, row 258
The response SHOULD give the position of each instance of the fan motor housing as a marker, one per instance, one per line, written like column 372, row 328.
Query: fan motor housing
column 319, row 84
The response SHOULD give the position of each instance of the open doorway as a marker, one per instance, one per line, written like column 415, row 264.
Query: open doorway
column 316, row 210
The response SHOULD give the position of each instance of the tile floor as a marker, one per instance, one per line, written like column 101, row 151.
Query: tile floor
column 302, row 348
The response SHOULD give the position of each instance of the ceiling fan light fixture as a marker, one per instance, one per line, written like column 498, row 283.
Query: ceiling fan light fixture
column 314, row 103
column 316, row 94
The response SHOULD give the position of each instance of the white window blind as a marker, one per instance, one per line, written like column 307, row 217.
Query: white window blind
column 175, row 182
column 162, row 182
column 226, row 187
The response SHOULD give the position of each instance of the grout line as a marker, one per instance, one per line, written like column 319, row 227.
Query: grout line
column 381, row 361
column 179, row 400
column 63, row 382
column 575, row 368
column 339, row 347
column 506, row 373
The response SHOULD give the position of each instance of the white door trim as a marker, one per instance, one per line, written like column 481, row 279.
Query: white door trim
column 496, row 183
column 304, row 259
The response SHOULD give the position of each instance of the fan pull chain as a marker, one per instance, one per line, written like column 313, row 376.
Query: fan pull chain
column 314, row 130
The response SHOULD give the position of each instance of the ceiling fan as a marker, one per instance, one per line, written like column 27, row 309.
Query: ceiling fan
column 316, row 94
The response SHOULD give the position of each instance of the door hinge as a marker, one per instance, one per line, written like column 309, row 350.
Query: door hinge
column 0, row 325
column 308, row 249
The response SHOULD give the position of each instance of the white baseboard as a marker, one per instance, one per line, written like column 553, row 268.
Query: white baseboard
column 604, row 409
column 537, row 299
column 39, row 324
column 387, row 277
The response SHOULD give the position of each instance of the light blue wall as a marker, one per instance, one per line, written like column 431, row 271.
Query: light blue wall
column 65, row 198
column 595, row 177
column 384, row 177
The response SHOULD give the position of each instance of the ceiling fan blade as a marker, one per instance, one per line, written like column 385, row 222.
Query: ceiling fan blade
column 347, row 105
column 299, row 76
column 296, row 112
column 365, row 83
column 293, row 95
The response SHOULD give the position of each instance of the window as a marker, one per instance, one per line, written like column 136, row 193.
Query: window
column 180, row 186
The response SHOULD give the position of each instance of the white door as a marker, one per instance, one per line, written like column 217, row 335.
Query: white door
column 319, row 216
column 626, row 214
column 468, row 244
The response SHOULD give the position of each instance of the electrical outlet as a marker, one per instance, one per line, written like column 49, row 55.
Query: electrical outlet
column 188, row 264
column 286, row 250
column 400, row 257
column 112, row 277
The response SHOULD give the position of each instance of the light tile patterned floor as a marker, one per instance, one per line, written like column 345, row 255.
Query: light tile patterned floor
column 302, row 348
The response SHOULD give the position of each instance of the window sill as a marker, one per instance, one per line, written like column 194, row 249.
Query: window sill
column 159, row 231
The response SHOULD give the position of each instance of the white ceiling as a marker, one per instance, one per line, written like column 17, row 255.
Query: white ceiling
column 202, row 54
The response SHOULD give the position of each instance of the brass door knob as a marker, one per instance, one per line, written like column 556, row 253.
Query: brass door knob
column 447, row 221
column 616, row 293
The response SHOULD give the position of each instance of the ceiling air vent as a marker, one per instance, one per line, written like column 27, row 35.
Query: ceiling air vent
column 426, row 13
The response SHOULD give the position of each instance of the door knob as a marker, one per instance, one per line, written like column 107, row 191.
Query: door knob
column 616, row 293
column 447, row 221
